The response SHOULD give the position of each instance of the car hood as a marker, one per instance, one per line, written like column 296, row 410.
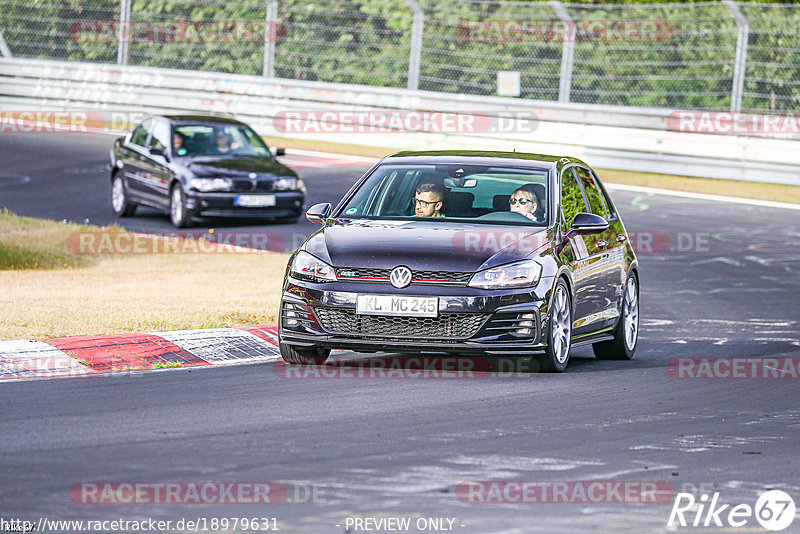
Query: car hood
column 438, row 246
column 234, row 166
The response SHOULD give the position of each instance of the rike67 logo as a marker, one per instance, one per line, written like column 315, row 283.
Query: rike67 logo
column 774, row 510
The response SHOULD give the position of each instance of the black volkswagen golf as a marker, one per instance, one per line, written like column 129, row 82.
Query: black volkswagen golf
column 465, row 252
column 201, row 166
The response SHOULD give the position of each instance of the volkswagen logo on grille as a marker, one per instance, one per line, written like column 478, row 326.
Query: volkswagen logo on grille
column 400, row 277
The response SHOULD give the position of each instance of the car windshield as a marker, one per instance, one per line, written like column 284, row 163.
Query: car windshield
column 216, row 139
column 469, row 193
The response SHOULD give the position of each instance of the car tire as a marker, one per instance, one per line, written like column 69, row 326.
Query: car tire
column 626, row 333
column 298, row 356
column 559, row 331
column 178, row 214
column 120, row 203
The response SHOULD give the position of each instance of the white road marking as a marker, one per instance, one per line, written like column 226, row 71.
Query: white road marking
column 703, row 196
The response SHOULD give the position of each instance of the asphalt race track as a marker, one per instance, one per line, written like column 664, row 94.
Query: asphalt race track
column 719, row 279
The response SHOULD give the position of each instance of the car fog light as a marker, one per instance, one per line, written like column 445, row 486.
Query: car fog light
column 527, row 323
column 290, row 316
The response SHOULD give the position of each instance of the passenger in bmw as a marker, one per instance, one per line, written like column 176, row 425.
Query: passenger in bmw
column 428, row 200
column 224, row 143
column 179, row 144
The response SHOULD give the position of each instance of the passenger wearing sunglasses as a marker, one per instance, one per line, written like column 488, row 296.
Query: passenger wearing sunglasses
column 525, row 202
column 428, row 200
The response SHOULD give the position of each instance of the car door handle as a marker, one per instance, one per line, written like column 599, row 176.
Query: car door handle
column 621, row 239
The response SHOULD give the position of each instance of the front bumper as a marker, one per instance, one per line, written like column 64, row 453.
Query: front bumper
column 470, row 320
column 287, row 204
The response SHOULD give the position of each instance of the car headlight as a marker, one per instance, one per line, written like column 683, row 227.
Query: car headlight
column 520, row 274
column 307, row 267
column 212, row 184
column 288, row 184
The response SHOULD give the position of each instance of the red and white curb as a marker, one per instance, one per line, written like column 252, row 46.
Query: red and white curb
column 76, row 356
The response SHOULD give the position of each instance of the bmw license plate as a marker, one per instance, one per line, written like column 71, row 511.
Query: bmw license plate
column 397, row 305
column 254, row 201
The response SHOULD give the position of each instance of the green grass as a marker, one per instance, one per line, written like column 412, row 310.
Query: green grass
column 34, row 244
column 166, row 365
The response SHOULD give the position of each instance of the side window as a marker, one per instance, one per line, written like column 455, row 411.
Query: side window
column 593, row 195
column 139, row 135
column 606, row 200
column 160, row 137
column 572, row 201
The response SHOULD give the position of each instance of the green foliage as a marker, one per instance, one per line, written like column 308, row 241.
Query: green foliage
column 689, row 65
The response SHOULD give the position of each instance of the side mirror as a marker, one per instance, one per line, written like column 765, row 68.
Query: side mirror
column 588, row 223
column 318, row 213
column 280, row 152
column 154, row 151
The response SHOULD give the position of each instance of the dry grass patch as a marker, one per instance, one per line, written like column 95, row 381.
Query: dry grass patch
column 143, row 294
column 49, row 289
column 728, row 188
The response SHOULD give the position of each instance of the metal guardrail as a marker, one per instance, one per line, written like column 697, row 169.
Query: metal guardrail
column 623, row 138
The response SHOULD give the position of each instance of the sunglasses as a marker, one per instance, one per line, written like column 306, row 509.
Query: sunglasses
column 520, row 201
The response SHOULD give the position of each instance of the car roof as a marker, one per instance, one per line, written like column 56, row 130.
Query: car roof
column 482, row 158
column 197, row 118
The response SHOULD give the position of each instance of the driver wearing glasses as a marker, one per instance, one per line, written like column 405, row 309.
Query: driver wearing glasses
column 524, row 202
column 428, row 200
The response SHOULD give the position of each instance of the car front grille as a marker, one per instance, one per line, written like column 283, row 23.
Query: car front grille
column 448, row 325
column 240, row 186
column 359, row 274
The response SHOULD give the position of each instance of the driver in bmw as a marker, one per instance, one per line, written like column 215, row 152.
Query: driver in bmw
column 428, row 200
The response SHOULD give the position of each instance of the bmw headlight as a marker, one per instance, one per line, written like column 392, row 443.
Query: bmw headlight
column 212, row 184
column 289, row 184
column 521, row 274
column 307, row 267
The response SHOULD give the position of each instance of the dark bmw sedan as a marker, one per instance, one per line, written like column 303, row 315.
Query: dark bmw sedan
column 201, row 166
column 465, row 252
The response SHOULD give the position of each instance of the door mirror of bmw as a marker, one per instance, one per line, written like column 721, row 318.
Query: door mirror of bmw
column 155, row 151
column 318, row 213
column 588, row 223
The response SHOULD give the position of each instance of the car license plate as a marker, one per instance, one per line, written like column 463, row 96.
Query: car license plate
column 397, row 305
column 254, row 201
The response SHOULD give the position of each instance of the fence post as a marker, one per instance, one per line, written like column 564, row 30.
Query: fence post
column 124, row 32
column 270, row 37
column 415, row 51
column 4, row 51
column 742, row 39
column 567, row 51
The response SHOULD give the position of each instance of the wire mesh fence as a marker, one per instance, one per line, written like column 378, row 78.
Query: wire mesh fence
column 690, row 56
